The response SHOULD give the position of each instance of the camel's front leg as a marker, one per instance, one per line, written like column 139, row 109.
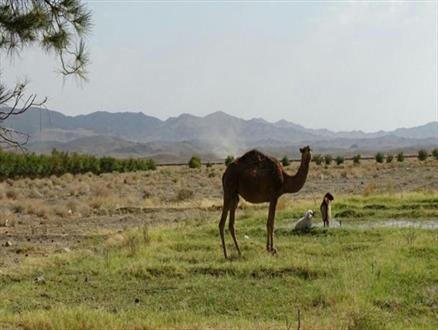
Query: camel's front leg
column 270, row 226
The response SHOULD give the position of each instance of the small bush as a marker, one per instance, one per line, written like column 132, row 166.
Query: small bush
column 84, row 210
column 339, row 160
column 422, row 154
column 184, row 194
column 229, row 160
column 435, row 153
column 17, row 208
column 38, row 209
column 209, row 165
column 61, row 211
column 400, row 157
column 389, row 158
column 195, row 162
column 318, row 159
column 379, row 157
column 11, row 194
column 285, row 161
column 328, row 159
column 356, row 159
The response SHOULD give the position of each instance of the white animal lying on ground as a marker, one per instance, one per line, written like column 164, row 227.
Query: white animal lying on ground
column 305, row 222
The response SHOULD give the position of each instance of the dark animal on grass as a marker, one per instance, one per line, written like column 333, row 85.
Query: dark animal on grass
column 259, row 178
column 326, row 209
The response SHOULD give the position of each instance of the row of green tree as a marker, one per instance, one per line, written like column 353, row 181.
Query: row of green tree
column 14, row 165
column 422, row 155
column 379, row 157
column 195, row 162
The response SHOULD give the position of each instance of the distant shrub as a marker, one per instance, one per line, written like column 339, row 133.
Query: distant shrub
column 285, row 161
column 318, row 159
column 379, row 157
column 356, row 159
column 108, row 164
column 400, row 157
column 209, row 164
column 339, row 160
column 194, row 162
column 435, row 153
column 389, row 158
column 328, row 159
column 422, row 154
column 229, row 160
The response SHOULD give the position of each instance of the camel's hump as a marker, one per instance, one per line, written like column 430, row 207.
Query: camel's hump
column 255, row 157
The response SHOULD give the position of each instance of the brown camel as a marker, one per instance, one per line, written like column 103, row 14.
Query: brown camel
column 259, row 178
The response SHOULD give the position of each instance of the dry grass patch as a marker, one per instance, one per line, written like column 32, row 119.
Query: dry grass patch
column 62, row 211
column 84, row 210
column 96, row 203
column 7, row 218
column 78, row 189
column 35, row 194
column 369, row 189
column 12, row 194
column 100, row 190
column 67, row 177
column 38, row 208
column 115, row 240
column 184, row 194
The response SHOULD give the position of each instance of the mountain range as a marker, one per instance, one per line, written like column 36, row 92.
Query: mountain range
column 129, row 134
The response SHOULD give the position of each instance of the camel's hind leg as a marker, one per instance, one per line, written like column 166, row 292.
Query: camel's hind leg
column 233, row 207
column 225, row 210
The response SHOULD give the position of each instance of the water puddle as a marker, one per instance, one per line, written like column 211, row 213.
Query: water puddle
column 390, row 223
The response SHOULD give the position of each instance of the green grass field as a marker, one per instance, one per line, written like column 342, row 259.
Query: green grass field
column 175, row 276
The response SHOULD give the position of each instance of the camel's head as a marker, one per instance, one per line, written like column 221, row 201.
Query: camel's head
column 305, row 153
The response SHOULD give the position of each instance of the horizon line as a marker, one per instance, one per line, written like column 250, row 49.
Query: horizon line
column 221, row 111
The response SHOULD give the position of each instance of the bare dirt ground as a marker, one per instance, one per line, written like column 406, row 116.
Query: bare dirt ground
column 42, row 216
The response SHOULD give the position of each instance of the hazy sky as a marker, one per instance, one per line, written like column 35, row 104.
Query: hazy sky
column 335, row 65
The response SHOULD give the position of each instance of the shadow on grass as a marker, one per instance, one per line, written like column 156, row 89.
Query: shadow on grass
column 314, row 231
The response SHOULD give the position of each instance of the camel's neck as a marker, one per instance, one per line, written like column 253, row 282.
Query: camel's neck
column 294, row 183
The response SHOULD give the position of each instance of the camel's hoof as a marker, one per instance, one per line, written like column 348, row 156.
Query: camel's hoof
column 272, row 251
